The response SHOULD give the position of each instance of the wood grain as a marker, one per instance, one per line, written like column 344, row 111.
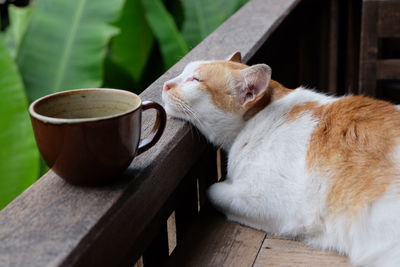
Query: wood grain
column 333, row 46
column 380, row 19
column 388, row 69
column 191, row 192
column 368, row 49
column 213, row 241
column 283, row 252
column 57, row 224
column 389, row 19
column 158, row 250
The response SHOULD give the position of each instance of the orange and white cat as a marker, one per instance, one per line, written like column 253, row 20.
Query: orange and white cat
column 302, row 164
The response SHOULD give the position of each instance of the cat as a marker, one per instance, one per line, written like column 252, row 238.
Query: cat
column 301, row 164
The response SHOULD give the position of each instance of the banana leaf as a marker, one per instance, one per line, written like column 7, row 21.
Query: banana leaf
column 19, row 17
column 19, row 159
column 65, row 44
column 131, row 48
column 203, row 17
column 172, row 44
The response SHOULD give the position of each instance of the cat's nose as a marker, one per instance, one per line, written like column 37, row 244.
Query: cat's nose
column 168, row 85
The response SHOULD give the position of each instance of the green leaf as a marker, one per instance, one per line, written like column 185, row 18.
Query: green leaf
column 19, row 159
column 131, row 47
column 203, row 17
column 172, row 44
column 115, row 76
column 65, row 44
column 19, row 17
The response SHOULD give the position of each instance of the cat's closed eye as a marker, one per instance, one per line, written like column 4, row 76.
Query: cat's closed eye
column 191, row 79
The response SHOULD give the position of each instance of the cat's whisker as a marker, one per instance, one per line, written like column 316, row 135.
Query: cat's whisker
column 192, row 115
column 186, row 109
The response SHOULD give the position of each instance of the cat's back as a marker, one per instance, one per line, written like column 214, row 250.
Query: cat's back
column 355, row 147
column 356, row 143
column 351, row 143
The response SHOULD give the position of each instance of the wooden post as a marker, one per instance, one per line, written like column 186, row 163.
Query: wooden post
column 192, row 192
column 333, row 40
column 157, row 253
column 369, row 48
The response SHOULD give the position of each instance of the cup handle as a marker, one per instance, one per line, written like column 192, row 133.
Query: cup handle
column 158, row 127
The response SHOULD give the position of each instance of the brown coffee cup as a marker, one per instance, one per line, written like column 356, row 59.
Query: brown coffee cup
column 90, row 136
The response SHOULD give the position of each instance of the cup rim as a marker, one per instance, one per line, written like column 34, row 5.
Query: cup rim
column 53, row 120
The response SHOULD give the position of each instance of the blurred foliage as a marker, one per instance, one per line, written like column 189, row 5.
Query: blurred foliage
column 202, row 17
column 172, row 44
column 53, row 45
column 18, row 155
column 65, row 43
column 18, row 20
column 132, row 46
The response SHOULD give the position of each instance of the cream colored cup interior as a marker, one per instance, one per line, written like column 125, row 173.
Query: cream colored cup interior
column 87, row 104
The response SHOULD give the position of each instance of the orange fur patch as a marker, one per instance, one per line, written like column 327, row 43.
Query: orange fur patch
column 218, row 78
column 313, row 107
column 278, row 90
column 354, row 141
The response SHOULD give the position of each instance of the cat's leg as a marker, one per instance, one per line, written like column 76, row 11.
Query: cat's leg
column 231, row 199
column 388, row 257
column 221, row 195
column 378, row 250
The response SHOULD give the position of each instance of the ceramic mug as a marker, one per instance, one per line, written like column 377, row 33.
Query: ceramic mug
column 90, row 136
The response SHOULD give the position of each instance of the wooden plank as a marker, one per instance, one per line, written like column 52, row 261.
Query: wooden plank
column 328, row 46
column 56, row 224
column 207, row 175
column 369, row 49
column 171, row 228
column 333, row 47
column 222, row 162
column 283, row 252
column 158, row 251
column 186, row 208
column 388, row 69
column 139, row 263
column 213, row 241
column 389, row 19
column 351, row 55
column 191, row 192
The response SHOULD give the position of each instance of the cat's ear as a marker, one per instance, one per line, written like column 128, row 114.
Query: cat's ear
column 254, row 83
column 235, row 57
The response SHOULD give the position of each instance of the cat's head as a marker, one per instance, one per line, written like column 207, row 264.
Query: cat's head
column 216, row 95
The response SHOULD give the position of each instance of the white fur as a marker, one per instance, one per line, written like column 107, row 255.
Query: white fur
column 219, row 127
column 268, row 186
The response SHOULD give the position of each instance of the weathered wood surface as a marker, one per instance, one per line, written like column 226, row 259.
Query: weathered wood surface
column 368, row 49
column 333, row 46
column 57, row 224
column 281, row 252
column 352, row 18
column 380, row 19
column 213, row 241
column 388, row 69
column 389, row 19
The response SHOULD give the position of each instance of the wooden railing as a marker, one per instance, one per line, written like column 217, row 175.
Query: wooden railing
column 56, row 224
